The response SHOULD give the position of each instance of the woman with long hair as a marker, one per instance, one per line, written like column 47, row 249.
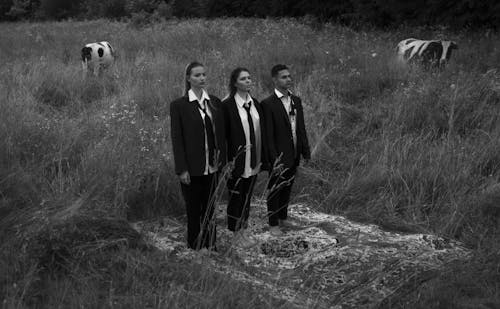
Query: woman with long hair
column 245, row 135
column 198, row 141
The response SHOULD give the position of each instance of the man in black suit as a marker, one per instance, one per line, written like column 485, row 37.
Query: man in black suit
column 287, row 142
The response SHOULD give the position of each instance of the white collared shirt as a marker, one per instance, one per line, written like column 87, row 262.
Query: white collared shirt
column 287, row 104
column 240, row 102
column 201, row 102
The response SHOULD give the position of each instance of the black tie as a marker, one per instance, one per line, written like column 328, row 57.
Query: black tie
column 291, row 115
column 292, row 108
column 253, row 152
column 209, row 130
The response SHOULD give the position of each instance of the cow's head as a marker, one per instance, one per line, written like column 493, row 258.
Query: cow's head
column 86, row 53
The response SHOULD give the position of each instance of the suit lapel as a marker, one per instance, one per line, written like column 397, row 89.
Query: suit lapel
column 214, row 117
column 261, row 116
column 196, row 111
column 258, row 106
column 213, row 111
column 233, row 109
column 192, row 107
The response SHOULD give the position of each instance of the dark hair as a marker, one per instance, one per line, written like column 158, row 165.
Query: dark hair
column 233, row 78
column 277, row 68
column 189, row 68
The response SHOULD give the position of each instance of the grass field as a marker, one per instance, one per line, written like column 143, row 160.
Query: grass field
column 406, row 149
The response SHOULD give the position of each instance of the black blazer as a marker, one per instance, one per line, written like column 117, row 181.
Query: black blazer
column 235, row 135
column 187, row 131
column 279, row 132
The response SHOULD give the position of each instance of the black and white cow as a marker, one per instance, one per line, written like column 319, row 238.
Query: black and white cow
column 433, row 53
column 97, row 56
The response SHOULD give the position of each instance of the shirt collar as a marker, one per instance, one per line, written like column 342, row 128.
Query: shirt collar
column 279, row 94
column 192, row 97
column 240, row 101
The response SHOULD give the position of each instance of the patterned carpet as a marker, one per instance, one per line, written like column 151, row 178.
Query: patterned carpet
column 326, row 261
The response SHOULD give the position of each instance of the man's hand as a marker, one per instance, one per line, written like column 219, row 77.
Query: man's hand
column 185, row 178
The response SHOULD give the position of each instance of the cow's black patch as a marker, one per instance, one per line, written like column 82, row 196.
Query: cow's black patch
column 432, row 53
column 100, row 51
column 87, row 53
column 111, row 51
column 408, row 52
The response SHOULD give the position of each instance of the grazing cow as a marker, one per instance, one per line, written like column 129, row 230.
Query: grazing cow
column 97, row 57
column 433, row 53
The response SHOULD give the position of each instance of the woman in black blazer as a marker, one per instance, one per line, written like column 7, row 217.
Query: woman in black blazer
column 197, row 132
column 246, row 144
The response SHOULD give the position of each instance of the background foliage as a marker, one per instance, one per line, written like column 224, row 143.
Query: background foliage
column 390, row 13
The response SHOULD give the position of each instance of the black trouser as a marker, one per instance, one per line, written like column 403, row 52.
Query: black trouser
column 280, row 187
column 238, row 207
column 200, row 207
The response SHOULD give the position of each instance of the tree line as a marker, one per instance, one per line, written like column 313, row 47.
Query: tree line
column 380, row 13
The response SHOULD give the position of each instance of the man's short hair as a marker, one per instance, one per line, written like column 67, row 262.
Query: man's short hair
column 277, row 68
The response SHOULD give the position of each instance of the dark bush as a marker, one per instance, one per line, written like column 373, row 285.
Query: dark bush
column 17, row 9
column 164, row 10
column 191, row 8
column 58, row 9
column 392, row 13
column 110, row 9
column 136, row 6
column 113, row 8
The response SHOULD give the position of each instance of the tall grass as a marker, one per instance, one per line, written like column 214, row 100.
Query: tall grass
column 401, row 147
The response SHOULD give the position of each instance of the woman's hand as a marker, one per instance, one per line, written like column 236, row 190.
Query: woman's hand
column 185, row 178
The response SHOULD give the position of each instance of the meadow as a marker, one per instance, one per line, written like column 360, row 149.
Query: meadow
column 407, row 149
